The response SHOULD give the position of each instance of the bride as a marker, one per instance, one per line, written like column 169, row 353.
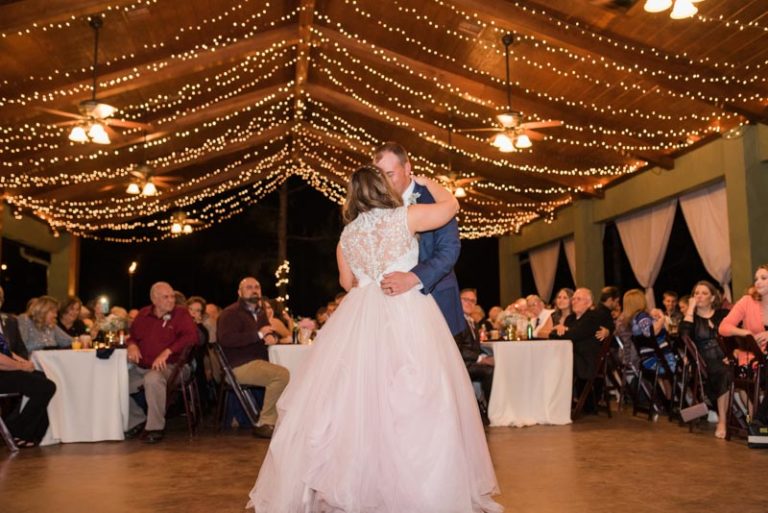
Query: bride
column 383, row 417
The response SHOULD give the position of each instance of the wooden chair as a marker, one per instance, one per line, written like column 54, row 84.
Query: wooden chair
column 230, row 385
column 185, row 382
column 749, row 381
column 4, row 431
column 601, row 374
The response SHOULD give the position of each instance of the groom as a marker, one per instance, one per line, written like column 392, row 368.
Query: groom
column 438, row 249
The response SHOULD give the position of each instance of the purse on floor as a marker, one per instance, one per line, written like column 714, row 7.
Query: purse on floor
column 699, row 409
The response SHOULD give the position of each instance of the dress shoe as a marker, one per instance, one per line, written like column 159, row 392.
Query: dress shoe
column 152, row 437
column 263, row 431
column 134, row 431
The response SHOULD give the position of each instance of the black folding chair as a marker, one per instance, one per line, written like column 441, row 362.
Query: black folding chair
column 749, row 379
column 601, row 374
column 4, row 431
column 186, row 383
column 230, row 385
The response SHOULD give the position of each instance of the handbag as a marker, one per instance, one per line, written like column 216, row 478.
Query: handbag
column 699, row 409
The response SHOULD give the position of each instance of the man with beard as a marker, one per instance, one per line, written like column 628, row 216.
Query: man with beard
column 244, row 333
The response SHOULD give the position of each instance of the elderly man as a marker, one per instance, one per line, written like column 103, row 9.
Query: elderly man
column 581, row 327
column 540, row 317
column 244, row 332
column 479, row 365
column 159, row 334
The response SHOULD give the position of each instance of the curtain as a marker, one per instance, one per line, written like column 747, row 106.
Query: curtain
column 569, row 245
column 706, row 215
column 645, row 236
column 544, row 266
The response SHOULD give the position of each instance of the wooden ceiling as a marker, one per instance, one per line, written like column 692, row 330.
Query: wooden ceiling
column 241, row 95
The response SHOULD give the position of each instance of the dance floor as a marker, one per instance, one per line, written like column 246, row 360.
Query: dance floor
column 595, row 465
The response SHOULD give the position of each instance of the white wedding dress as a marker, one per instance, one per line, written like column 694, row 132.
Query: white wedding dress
column 383, row 417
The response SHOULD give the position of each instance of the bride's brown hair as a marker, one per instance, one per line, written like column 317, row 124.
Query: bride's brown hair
column 368, row 189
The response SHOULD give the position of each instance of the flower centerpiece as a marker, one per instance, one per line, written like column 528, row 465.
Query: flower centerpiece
column 307, row 327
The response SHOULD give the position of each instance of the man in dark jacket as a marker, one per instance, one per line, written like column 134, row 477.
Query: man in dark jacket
column 244, row 332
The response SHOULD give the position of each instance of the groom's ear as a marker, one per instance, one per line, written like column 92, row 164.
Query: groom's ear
column 408, row 169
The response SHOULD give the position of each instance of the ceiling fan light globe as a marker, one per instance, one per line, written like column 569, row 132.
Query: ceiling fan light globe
column 501, row 140
column 655, row 6
column 77, row 134
column 522, row 142
column 149, row 189
column 133, row 188
column 176, row 228
column 97, row 134
column 187, row 229
column 507, row 119
column 683, row 9
column 460, row 192
column 103, row 111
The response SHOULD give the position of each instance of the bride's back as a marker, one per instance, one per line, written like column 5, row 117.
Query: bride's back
column 378, row 242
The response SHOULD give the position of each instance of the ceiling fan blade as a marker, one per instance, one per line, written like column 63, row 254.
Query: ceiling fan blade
column 533, row 135
column 166, row 179
column 463, row 182
column 107, row 188
column 127, row 124
column 113, row 135
column 541, row 124
column 60, row 113
column 467, row 130
column 67, row 123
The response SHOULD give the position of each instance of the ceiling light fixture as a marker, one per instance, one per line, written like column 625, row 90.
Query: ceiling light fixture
column 133, row 188
column 682, row 8
column 149, row 189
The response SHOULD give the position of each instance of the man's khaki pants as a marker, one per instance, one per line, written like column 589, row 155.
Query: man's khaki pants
column 264, row 374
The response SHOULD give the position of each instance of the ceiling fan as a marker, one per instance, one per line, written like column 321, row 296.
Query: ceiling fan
column 513, row 133
column 143, row 179
column 95, row 121
column 181, row 223
column 458, row 186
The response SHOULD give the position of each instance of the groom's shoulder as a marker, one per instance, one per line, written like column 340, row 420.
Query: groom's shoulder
column 424, row 194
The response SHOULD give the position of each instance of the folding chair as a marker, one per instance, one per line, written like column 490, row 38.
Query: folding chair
column 4, row 431
column 186, row 383
column 589, row 388
column 241, row 392
column 693, row 376
column 648, row 381
column 749, row 381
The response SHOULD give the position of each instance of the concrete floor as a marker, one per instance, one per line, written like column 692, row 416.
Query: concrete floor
column 622, row 464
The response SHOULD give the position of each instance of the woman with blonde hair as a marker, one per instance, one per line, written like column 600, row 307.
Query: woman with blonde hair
column 38, row 326
column 383, row 392
column 700, row 324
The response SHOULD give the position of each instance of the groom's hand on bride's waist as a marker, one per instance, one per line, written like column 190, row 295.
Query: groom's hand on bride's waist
column 398, row 282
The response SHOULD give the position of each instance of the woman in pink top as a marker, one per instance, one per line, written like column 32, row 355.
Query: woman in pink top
column 751, row 312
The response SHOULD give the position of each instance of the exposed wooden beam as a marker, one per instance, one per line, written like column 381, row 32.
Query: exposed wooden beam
column 181, row 123
column 506, row 15
column 157, row 71
column 480, row 93
column 341, row 100
column 20, row 16
column 303, row 48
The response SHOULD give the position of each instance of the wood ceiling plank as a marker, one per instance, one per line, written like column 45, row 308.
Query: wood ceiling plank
column 284, row 36
column 506, row 15
column 22, row 15
column 338, row 99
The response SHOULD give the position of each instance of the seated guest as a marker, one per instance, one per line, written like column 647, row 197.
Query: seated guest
column 160, row 333
column 682, row 305
column 69, row 317
column 562, row 307
column 647, row 333
column 196, row 308
column 609, row 300
column 244, row 333
column 672, row 315
column 479, row 365
column 494, row 317
column 749, row 316
column 580, row 327
column 481, row 322
column 321, row 316
column 38, row 327
column 17, row 374
column 201, row 358
column 210, row 319
column 700, row 324
column 98, row 316
column 284, row 332
column 541, row 317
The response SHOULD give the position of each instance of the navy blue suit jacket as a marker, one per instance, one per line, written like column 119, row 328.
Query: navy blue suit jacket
column 438, row 252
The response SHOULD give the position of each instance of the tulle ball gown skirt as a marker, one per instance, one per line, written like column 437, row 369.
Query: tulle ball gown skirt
column 382, row 418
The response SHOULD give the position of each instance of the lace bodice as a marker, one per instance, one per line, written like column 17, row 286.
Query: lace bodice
column 379, row 242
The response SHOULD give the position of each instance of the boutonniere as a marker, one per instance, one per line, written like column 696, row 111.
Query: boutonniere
column 412, row 199
column 166, row 318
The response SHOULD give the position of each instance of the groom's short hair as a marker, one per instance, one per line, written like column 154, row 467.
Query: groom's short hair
column 394, row 148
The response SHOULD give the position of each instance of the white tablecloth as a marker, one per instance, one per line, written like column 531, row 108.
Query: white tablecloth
column 290, row 356
column 532, row 383
column 91, row 400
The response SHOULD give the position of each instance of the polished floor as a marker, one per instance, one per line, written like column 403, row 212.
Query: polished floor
column 598, row 464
